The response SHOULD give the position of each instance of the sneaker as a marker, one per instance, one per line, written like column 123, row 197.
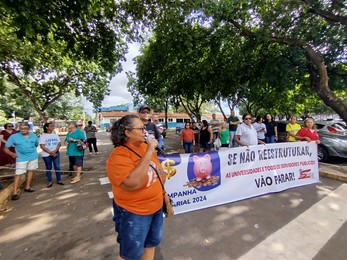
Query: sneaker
column 97, row 153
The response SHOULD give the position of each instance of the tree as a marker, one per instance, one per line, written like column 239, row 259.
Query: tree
column 177, row 67
column 49, row 48
column 295, row 24
column 313, row 29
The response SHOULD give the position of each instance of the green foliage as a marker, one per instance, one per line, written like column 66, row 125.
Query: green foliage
column 3, row 118
column 271, row 55
column 49, row 48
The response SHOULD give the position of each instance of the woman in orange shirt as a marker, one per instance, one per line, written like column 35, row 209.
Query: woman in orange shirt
column 133, row 169
column 187, row 138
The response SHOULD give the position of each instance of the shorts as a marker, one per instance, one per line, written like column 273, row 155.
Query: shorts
column 136, row 232
column 76, row 160
column 205, row 145
column 23, row 167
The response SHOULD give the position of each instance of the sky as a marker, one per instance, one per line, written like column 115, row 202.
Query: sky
column 118, row 86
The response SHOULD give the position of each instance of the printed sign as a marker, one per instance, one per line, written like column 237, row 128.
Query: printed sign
column 197, row 181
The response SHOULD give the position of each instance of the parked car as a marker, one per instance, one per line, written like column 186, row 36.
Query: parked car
column 332, row 137
column 106, row 126
column 179, row 127
column 331, row 127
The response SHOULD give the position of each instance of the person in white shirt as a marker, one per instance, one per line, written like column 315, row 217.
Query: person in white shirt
column 50, row 145
column 245, row 133
column 260, row 127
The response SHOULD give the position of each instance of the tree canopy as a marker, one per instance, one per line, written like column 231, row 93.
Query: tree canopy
column 265, row 52
column 49, row 48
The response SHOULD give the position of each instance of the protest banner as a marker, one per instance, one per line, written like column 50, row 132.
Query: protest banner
column 198, row 181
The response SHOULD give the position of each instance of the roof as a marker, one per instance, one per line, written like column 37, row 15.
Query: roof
column 114, row 108
column 119, row 114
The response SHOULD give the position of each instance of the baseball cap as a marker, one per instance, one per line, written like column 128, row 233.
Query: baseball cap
column 143, row 107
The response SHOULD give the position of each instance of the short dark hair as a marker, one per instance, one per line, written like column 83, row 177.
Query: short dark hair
column 204, row 122
column 90, row 122
column 118, row 136
column 46, row 125
column 143, row 107
column 244, row 116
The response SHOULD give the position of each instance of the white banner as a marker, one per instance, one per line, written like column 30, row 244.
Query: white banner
column 197, row 181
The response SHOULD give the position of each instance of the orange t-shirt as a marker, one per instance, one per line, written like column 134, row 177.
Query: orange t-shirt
column 187, row 135
column 144, row 201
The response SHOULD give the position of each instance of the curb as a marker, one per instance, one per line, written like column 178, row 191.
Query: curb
column 7, row 192
column 335, row 172
column 333, row 175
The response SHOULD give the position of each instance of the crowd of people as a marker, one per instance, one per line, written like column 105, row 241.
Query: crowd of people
column 133, row 168
column 234, row 132
column 19, row 151
column 136, row 174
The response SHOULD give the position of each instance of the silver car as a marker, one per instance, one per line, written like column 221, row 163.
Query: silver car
column 333, row 127
column 332, row 137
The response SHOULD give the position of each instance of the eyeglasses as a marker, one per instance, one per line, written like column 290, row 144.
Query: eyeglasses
column 248, row 118
column 139, row 128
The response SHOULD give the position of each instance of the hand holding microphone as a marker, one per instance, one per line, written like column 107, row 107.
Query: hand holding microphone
column 150, row 140
column 151, row 143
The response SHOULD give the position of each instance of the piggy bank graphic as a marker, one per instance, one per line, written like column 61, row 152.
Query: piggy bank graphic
column 202, row 167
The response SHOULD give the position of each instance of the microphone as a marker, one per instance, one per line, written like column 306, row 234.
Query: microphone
column 158, row 149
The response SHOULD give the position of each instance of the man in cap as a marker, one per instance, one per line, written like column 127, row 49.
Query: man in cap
column 151, row 128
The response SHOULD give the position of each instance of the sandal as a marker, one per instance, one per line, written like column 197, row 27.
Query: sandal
column 75, row 180
column 29, row 190
column 15, row 197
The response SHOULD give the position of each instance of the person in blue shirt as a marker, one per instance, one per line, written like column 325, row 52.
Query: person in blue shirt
column 26, row 156
column 74, row 137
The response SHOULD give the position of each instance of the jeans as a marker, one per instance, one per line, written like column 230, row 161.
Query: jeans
column 232, row 142
column 215, row 136
column 136, row 232
column 270, row 139
column 49, row 160
column 161, row 142
column 188, row 146
column 92, row 141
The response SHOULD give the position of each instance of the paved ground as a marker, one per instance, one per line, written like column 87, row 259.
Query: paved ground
column 74, row 221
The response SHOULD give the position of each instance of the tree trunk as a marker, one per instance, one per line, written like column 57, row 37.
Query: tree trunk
column 166, row 112
column 221, row 109
column 319, row 83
